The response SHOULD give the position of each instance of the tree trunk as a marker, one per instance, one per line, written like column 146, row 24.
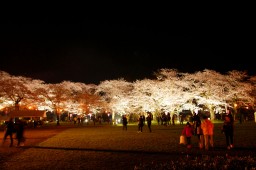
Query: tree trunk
column 212, row 114
column 58, row 118
column 113, row 118
column 17, row 107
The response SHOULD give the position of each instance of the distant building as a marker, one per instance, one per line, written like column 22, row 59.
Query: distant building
column 25, row 114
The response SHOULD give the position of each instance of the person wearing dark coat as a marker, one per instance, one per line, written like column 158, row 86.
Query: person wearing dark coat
column 228, row 130
column 140, row 124
column 149, row 119
column 9, row 131
column 125, row 122
column 20, row 132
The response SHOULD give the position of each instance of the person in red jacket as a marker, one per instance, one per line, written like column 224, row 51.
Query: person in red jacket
column 188, row 133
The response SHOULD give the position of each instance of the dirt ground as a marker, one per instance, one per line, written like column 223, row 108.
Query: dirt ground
column 32, row 139
column 94, row 149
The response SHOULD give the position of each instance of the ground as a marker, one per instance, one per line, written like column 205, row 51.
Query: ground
column 110, row 147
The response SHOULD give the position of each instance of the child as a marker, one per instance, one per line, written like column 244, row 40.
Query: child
column 188, row 133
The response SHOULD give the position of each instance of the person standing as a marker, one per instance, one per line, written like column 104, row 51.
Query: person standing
column 198, row 130
column 228, row 130
column 149, row 119
column 181, row 118
column 75, row 120
column 9, row 131
column 125, row 122
column 188, row 133
column 158, row 119
column 19, row 132
column 140, row 124
column 173, row 119
column 168, row 118
column 207, row 128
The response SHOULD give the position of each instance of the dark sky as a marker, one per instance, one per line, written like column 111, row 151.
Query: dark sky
column 95, row 49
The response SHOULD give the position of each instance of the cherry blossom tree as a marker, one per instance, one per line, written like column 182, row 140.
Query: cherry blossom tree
column 239, row 90
column 213, row 89
column 79, row 98
column 88, row 99
column 55, row 96
column 15, row 88
column 171, row 91
column 207, row 88
column 252, row 81
column 114, row 92
column 72, row 104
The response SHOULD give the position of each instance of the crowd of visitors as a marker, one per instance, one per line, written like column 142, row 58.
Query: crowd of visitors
column 199, row 126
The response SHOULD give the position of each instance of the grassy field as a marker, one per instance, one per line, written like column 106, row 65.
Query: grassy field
column 109, row 147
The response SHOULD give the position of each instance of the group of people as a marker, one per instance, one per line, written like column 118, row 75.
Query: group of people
column 141, row 122
column 14, row 128
column 142, row 119
column 203, row 129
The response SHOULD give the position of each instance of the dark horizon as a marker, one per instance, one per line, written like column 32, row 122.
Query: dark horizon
column 107, row 49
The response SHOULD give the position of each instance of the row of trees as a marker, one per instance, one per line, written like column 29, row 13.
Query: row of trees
column 170, row 91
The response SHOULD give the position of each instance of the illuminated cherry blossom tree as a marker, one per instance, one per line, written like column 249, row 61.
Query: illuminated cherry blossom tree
column 252, row 81
column 15, row 88
column 114, row 93
column 171, row 91
column 208, row 88
column 74, row 98
column 86, row 98
column 55, row 96
column 240, row 90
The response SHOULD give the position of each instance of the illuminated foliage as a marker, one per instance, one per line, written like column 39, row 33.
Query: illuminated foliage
column 171, row 91
column 15, row 88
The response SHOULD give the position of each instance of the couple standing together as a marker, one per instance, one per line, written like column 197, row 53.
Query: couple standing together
column 18, row 128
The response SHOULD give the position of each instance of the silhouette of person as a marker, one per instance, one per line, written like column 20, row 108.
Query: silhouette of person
column 149, row 119
column 173, row 119
column 228, row 130
column 9, row 131
column 198, row 130
column 19, row 132
column 141, row 124
column 125, row 122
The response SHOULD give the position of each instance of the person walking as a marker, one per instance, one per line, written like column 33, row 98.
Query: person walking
column 207, row 128
column 9, row 131
column 228, row 130
column 149, row 119
column 188, row 133
column 125, row 122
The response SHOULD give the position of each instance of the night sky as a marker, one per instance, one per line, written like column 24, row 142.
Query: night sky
column 94, row 49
